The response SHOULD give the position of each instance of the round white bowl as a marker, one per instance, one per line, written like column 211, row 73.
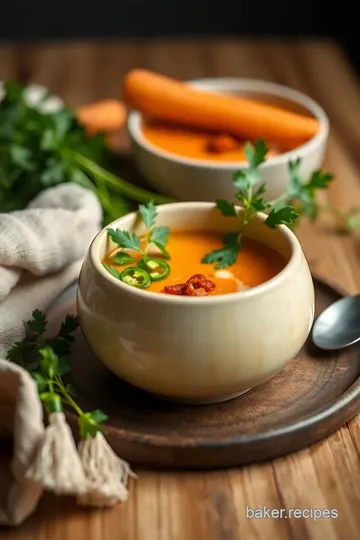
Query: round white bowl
column 199, row 180
column 196, row 349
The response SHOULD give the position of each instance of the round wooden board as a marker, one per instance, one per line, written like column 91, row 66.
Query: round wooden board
column 314, row 395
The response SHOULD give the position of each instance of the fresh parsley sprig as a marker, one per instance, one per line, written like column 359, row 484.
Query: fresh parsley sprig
column 226, row 255
column 299, row 199
column 47, row 361
column 303, row 193
column 39, row 150
column 157, row 236
column 348, row 221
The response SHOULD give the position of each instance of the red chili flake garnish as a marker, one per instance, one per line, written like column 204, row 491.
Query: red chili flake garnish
column 174, row 289
column 189, row 289
column 199, row 292
column 197, row 285
column 200, row 281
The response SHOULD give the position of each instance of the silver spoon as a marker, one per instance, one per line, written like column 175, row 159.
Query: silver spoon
column 338, row 326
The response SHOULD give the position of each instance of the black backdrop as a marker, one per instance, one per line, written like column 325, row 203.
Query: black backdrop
column 25, row 20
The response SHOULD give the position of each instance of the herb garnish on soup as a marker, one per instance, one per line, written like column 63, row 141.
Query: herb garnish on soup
column 207, row 263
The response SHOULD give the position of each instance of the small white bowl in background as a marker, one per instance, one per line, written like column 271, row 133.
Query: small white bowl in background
column 203, row 180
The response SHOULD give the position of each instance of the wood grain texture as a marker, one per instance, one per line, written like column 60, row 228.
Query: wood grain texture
column 212, row 505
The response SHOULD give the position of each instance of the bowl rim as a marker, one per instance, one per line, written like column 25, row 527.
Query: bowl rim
column 246, row 84
column 167, row 299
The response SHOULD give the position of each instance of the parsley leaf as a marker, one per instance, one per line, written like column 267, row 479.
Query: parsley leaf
column 68, row 326
column 48, row 362
column 19, row 351
column 320, row 180
column 148, row 214
column 125, row 239
column 227, row 255
column 63, row 365
column 112, row 270
column 38, row 323
column 90, row 423
column 159, row 236
column 283, row 216
column 122, row 258
column 226, row 208
column 40, row 380
column 256, row 155
column 305, row 192
column 21, row 157
column 60, row 346
column 241, row 181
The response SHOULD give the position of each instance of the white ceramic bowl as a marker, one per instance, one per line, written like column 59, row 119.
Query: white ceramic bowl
column 196, row 349
column 199, row 180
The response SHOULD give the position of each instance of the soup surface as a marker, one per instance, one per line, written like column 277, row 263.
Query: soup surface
column 197, row 144
column 256, row 262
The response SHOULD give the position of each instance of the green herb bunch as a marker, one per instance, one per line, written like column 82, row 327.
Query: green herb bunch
column 299, row 199
column 39, row 150
column 47, row 361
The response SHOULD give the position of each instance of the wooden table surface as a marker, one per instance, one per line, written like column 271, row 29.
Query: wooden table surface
column 212, row 506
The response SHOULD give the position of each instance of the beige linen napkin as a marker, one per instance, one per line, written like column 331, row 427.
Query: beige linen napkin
column 41, row 250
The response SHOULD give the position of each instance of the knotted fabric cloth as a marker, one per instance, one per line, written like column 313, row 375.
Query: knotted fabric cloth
column 41, row 251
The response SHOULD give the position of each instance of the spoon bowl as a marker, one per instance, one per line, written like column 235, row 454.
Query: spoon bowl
column 339, row 325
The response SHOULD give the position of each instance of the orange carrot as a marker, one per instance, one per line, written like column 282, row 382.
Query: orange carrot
column 103, row 116
column 174, row 101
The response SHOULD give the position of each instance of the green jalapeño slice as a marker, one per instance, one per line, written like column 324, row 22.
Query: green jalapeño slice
column 157, row 268
column 136, row 277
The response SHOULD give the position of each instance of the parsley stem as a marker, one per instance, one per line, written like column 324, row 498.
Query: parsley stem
column 335, row 210
column 122, row 186
column 283, row 197
column 73, row 404
column 58, row 381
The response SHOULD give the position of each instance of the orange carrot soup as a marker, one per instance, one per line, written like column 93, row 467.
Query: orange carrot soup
column 185, row 274
column 196, row 144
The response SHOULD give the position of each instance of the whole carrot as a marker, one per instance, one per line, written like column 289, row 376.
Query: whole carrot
column 174, row 101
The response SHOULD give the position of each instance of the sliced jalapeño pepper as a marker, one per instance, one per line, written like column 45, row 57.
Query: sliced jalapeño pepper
column 157, row 268
column 136, row 277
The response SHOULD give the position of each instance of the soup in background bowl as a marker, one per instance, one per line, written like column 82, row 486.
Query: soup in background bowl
column 201, row 349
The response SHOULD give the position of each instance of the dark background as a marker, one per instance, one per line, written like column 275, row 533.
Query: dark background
column 39, row 20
